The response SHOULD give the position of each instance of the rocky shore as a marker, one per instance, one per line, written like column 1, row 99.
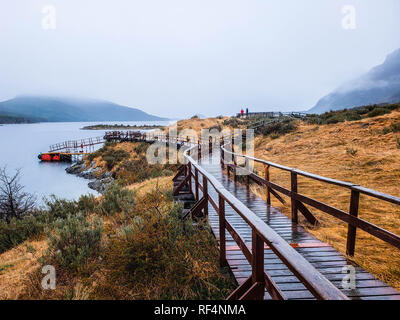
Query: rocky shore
column 99, row 180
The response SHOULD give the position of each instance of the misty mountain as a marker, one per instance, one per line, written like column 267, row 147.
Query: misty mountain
column 56, row 109
column 380, row 85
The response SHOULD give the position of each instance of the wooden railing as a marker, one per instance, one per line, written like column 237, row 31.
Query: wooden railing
column 253, row 287
column 75, row 145
column 298, row 201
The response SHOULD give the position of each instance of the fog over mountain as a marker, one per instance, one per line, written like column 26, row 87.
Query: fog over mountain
column 60, row 109
column 381, row 84
column 179, row 58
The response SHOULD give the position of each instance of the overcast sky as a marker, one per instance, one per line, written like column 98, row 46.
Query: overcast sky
column 176, row 58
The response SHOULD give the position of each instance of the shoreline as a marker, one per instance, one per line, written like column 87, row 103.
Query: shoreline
column 121, row 127
column 99, row 180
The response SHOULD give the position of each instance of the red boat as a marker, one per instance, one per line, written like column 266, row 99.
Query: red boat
column 56, row 157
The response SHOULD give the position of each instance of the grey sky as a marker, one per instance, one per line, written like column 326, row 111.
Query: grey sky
column 181, row 57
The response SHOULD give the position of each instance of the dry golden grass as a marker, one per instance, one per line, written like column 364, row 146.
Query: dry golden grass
column 15, row 266
column 163, row 183
column 356, row 152
column 199, row 124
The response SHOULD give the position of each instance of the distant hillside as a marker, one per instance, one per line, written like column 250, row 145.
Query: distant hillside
column 379, row 85
column 8, row 119
column 54, row 109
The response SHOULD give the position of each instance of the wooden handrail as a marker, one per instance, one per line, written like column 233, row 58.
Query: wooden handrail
column 350, row 218
column 312, row 279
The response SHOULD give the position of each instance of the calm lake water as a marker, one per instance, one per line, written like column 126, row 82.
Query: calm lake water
column 20, row 145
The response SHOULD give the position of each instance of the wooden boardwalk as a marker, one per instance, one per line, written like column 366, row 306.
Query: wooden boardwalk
column 322, row 256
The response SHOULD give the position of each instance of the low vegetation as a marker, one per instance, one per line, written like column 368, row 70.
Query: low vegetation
column 129, row 243
column 145, row 248
column 121, row 127
column 279, row 128
column 73, row 241
column 354, row 114
column 138, row 169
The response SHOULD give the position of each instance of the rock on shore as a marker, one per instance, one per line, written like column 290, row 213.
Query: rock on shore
column 100, row 180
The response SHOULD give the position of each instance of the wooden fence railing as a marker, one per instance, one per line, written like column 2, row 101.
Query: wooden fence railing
column 253, row 287
column 298, row 201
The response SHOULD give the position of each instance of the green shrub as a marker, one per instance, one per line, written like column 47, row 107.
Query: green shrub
column 60, row 208
column 279, row 128
column 378, row 112
column 137, row 170
column 116, row 199
column 140, row 147
column 353, row 114
column 113, row 157
column 73, row 241
column 87, row 204
column 19, row 230
column 158, row 256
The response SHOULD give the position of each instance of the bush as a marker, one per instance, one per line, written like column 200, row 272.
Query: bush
column 116, row 199
column 278, row 128
column 140, row 147
column 60, row 208
column 233, row 122
column 158, row 256
column 87, row 204
column 73, row 241
column 113, row 157
column 137, row 170
column 378, row 112
column 19, row 230
column 353, row 114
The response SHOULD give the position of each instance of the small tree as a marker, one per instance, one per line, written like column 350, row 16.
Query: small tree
column 14, row 201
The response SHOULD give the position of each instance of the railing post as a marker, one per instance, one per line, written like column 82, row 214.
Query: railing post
column 196, row 183
column 351, row 231
column 205, row 195
column 198, row 150
column 189, row 166
column 234, row 169
column 233, row 150
column 257, row 249
column 266, row 169
column 293, row 178
column 222, row 240
column 246, row 164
